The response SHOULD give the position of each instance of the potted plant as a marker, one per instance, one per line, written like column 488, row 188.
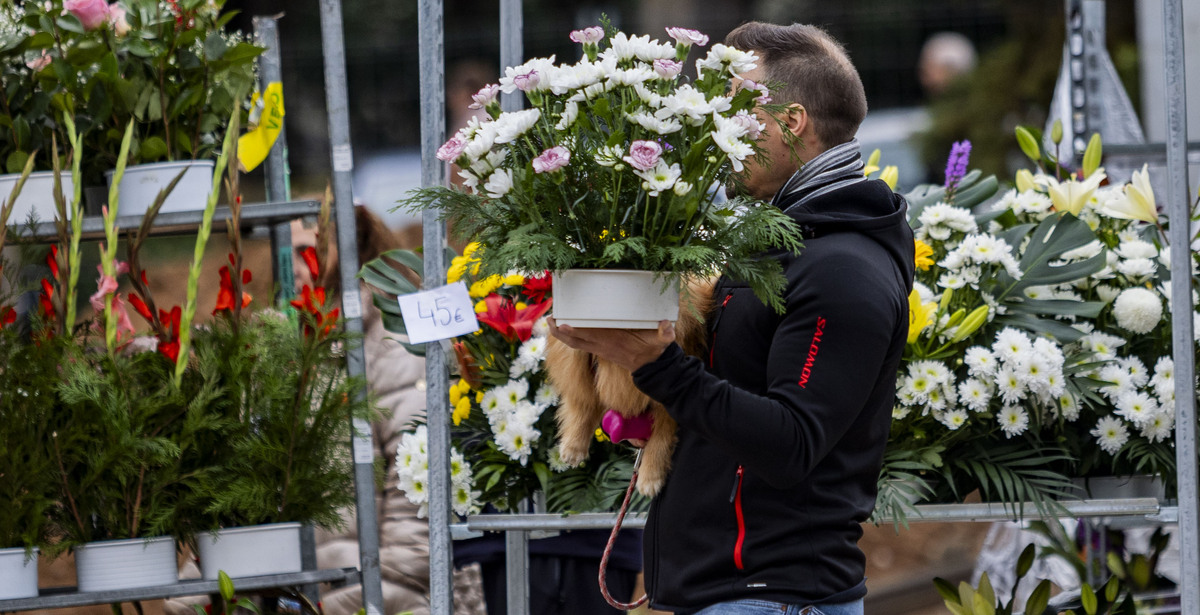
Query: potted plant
column 611, row 168
column 27, row 126
column 167, row 66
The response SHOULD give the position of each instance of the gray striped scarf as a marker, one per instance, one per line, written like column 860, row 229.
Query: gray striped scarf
column 833, row 169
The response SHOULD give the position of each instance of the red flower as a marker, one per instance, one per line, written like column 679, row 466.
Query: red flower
column 168, row 346
column 7, row 316
column 503, row 316
column 45, row 299
column 140, row 307
column 313, row 302
column 536, row 288
column 225, row 294
column 52, row 261
column 309, row 254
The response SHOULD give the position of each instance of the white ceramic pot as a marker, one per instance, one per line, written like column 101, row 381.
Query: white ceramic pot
column 1121, row 487
column 250, row 551
column 142, row 182
column 18, row 574
column 613, row 298
column 37, row 196
column 125, row 564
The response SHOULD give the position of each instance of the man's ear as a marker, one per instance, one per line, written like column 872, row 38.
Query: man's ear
column 797, row 119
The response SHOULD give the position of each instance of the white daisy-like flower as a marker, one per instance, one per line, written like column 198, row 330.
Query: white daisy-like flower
column 1111, row 434
column 662, row 177
column 464, row 501
column 923, row 291
column 1137, row 269
column 1104, row 345
column 499, row 183
column 1138, row 310
column 900, row 412
column 953, row 280
column 1119, row 381
column 975, row 394
column 569, row 115
column 1138, row 374
column 1136, row 248
column 546, row 396
column 1013, row 420
column 513, row 124
column 1011, row 345
column 917, row 387
column 1159, row 427
column 541, row 328
column 735, row 148
column 953, row 419
column 1034, row 203
column 980, row 361
column 721, row 56
column 1163, row 381
column 1008, row 385
column 661, row 126
column 1136, row 407
column 1085, row 252
column 1068, row 407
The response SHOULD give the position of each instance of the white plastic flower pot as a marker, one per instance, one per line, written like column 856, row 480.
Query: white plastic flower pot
column 18, row 574
column 126, row 564
column 141, row 184
column 613, row 299
column 250, row 551
column 37, row 196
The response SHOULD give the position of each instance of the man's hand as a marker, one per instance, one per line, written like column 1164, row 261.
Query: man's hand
column 629, row 348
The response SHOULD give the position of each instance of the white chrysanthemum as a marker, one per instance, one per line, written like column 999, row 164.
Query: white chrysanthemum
column 1163, row 380
column 900, row 412
column 541, row 328
column 625, row 47
column 953, row 419
column 1136, row 248
column 1011, row 344
column 916, row 387
column 543, row 67
column 953, row 280
column 1159, row 427
column 924, row 293
column 1033, row 203
column 608, row 156
column 464, row 501
column 661, row 178
column 1138, row 374
column 1084, row 252
column 632, row 76
column 1136, row 407
column 1034, row 372
column 1137, row 310
column 661, row 126
column 980, row 361
column 1118, row 379
column 935, row 370
column 460, row 470
column 1013, row 420
column 1111, row 434
column 1008, row 385
column 722, row 56
column 1102, row 344
column 974, row 394
column 513, row 124
column 691, row 105
column 517, row 442
column 498, row 183
column 734, row 147
column 1068, row 407
column 941, row 397
column 554, row 457
column 904, row 393
column 569, row 115
column 546, row 396
column 1137, row 269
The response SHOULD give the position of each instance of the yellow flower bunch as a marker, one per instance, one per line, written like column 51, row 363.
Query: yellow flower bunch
column 462, row 265
column 461, row 401
column 922, row 255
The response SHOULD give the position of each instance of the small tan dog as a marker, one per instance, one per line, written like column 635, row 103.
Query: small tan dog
column 590, row 386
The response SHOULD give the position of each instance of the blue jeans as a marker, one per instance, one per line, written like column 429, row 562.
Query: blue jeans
column 766, row 607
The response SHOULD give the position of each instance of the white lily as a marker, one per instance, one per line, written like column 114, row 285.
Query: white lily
column 1071, row 195
column 1137, row 200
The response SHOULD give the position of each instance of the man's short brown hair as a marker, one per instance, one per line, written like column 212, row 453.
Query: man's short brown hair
column 808, row 66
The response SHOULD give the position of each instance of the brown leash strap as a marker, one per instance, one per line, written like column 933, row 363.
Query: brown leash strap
column 612, row 538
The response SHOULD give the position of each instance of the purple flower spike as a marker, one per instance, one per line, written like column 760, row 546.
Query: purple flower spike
column 956, row 165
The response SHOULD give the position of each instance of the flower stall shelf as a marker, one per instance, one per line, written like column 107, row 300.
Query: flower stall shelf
column 616, row 165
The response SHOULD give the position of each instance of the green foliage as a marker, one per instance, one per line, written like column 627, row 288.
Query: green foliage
column 28, row 376
column 1020, row 473
column 281, row 422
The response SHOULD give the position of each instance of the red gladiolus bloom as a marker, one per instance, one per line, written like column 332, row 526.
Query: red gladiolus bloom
column 44, row 299
column 503, row 316
column 52, row 261
column 169, row 346
column 313, row 302
column 7, row 316
column 309, row 254
column 536, row 288
column 140, row 307
column 225, row 294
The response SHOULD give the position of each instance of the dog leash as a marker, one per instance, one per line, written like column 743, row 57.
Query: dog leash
column 612, row 538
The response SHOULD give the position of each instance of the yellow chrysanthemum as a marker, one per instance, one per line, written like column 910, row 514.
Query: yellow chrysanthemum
column 486, row 286
column 514, row 279
column 464, row 387
column 480, row 307
column 923, row 252
column 462, row 411
column 479, row 397
column 455, row 395
column 521, row 305
column 919, row 315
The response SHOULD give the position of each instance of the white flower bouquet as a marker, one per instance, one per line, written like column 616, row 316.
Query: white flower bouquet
column 614, row 165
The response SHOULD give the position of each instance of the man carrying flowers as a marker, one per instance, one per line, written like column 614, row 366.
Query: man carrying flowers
column 782, row 424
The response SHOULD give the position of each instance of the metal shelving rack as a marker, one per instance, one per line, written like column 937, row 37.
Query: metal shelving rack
column 517, row 527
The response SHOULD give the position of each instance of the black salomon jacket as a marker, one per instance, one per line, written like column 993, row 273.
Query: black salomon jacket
column 782, row 427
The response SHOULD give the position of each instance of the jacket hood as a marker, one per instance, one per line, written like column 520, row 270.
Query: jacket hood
column 869, row 208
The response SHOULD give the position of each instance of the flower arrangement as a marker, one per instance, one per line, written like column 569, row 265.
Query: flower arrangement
column 503, row 440
column 612, row 164
column 168, row 66
column 1039, row 340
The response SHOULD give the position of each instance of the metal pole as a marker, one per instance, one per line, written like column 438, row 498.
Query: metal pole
column 516, row 570
column 270, row 71
column 334, row 50
column 511, row 52
column 432, row 63
column 1182, row 338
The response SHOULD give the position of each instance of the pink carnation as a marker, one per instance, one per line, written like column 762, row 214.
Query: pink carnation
column 117, row 20
column 667, row 69
column 91, row 13
column 485, row 96
column 587, row 36
column 764, row 93
column 528, row 81
column 684, row 36
column 552, row 159
column 452, row 149
column 748, row 122
column 644, row 155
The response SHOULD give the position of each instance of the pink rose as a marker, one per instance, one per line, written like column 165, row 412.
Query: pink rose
column 686, row 37
column 485, row 96
column 667, row 69
column 452, row 149
column 644, row 155
column 588, row 36
column 40, row 62
column 117, row 21
column 528, row 81
column 552, row 159
column 91, row 13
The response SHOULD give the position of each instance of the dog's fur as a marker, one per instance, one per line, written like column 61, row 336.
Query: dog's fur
column 589, row 386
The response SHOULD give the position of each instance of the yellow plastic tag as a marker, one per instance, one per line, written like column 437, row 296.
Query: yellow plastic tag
column 254, row 146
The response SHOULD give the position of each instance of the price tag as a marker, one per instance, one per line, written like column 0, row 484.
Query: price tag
column 438, row 314
column 364, row 450
column 343, row 158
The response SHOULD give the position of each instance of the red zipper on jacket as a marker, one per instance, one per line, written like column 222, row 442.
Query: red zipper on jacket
column 736, row 498
column 712, row 347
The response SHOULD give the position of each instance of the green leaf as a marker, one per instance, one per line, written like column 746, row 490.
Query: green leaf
column 109, row 70
column 987, row 595
column 70, row 23
column 1038, row 599
column 1111, row 588
column 1092, row 155
column 1025, row 561
column 1029, row 145
column 946, row 589
column 966, row 596
column 13, row 164
column 225, row 584
column 214, row 46
column 981, row 606
column 1088, row 597
column 153, row 148
column 1054, row 236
